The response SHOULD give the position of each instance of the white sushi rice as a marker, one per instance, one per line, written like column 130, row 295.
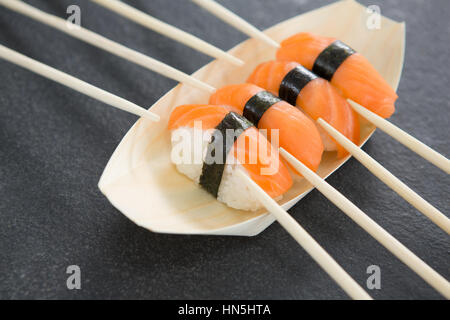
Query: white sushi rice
column 233, row 191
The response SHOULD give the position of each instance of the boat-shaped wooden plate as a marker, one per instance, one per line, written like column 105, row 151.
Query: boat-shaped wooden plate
column 140, row 180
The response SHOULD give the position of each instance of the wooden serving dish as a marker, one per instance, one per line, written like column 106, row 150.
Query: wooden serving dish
column 144, row 185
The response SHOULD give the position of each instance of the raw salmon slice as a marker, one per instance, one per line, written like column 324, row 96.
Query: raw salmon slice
column 356, row 78
column 251, row 149
column 318, row 99
column 297, row 133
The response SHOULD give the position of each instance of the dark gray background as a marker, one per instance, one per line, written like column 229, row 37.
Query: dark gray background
column 54, row 144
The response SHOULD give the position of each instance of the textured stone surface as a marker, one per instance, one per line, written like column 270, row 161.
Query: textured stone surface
column 54, row 144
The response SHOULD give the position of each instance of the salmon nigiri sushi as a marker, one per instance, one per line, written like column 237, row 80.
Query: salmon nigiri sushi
column 315, row 96
column 210, row 143
column 297, row 133
column 347, row 70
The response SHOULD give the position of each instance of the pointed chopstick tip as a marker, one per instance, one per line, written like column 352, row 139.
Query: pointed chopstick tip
column 289, row 157
column 151, row 116
column 271, row 42
column 236, row 61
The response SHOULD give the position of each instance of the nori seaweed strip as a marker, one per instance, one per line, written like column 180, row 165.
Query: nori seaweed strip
column 294, row 82
column 258, row 104
column 330, row 59
column 212, row 171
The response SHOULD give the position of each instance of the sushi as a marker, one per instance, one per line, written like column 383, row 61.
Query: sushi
column 204, row 151
column 315, row 96
column 297, row 133
column 347, row 70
